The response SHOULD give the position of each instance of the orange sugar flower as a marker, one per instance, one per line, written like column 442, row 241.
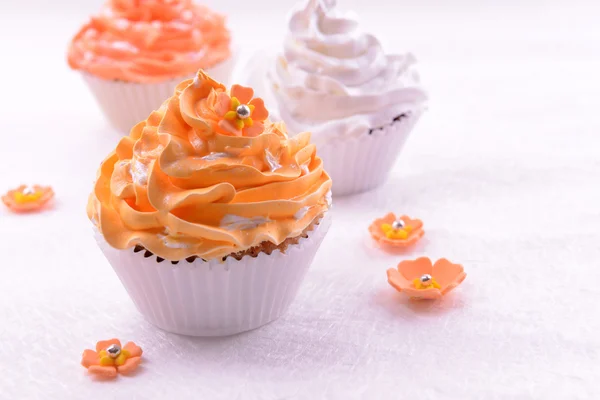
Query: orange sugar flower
column 110, row 358
column 393, row 232
column 28, row 198
column 420, row 279
column 239, row 113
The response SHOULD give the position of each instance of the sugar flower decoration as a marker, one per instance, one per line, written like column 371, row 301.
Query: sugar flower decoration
column 393, row 232
column 209, row 108
column 420, row 279
column 241, row 114
column 110, row 358
column 28, row 198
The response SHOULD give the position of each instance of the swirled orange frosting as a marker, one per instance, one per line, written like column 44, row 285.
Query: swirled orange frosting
column 150, row 41
column 188, row 181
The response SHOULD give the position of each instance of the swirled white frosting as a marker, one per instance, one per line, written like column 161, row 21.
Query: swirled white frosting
column 336, row 81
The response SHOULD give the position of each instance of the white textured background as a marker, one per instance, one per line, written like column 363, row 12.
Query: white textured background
column 504, row 170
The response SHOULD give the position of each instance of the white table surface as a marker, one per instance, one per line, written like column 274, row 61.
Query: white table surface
column 504, row 170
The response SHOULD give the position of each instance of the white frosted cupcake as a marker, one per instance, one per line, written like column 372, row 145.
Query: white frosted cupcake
column 133, row 54
column 208, row 213
column 337, row 82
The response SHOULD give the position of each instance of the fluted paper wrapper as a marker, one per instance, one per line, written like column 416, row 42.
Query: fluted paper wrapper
column 215, row 298
column 125, row 104
column 363, row 163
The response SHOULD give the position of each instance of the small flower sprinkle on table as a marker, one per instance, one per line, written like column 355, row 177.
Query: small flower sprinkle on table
column 28, row 198
column 110, row 358
column 420, row 279
column 396, row 232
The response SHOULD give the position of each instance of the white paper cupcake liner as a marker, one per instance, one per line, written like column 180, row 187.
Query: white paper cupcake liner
column 363, row 163
column 125, row 103
column 215, row 298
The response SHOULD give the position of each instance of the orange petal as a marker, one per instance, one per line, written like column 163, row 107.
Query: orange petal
column 46, row 191
column 447, row 273
column 389, row 218
column 229, row 128
column 108, row 372
column 454, row 283
column 14, row 206
column 89, row 358
column 375, row 229
column 243, row 94
column 424, row 294
column 260, row 111
column 414, row 223
column 412, row 269
column 103, row 344
column 396, row 280
column 222, row 103
column 133, row 349
column 413, row 236
column 256, row 129
column 130, row 365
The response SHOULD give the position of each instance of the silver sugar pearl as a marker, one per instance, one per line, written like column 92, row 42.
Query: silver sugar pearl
column 398, row 224
column 28, row 191
column 113, row 351
column 243, row 111
column 425, row 279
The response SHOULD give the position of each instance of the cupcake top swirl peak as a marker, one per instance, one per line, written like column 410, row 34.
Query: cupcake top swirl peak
column 208, row 175
column 335, row 80
column 148, row 41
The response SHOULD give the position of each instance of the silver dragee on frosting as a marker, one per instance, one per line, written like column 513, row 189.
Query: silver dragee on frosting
column 335, row 80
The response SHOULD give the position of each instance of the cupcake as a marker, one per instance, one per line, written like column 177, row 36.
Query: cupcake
column 134, row 53
column 338, row 83
column 208, row 213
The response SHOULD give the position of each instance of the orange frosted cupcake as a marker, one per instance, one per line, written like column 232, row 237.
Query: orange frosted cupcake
column 209, row 214
column 134, row 53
